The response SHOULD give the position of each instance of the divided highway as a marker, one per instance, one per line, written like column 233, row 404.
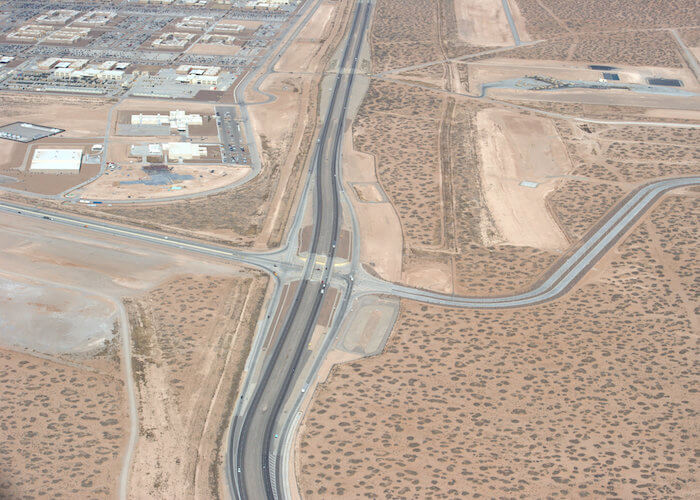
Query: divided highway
column 254, row 456
column 253, row 460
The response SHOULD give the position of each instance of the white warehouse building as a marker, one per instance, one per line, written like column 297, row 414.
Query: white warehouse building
column 57, row 160
column 178, row 120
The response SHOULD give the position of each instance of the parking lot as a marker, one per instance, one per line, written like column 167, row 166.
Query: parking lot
column 233, row 148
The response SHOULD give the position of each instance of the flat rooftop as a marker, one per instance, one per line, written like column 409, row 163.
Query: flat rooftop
column 26, row 132
column 56, row 159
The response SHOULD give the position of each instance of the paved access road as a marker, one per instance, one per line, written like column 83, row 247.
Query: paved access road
column 254, row 457
column 569, row 269
column 561, row 279
column 265, row 415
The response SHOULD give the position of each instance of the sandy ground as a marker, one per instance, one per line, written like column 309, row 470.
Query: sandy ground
column 64, row 426
column 205, row 177
column 519, row 20
column 381, row 240
column 52, row 319
column 303, row 54
column 12, row 154
column 518, row 148
column 46, row 183
column 300, row 58
column 86, row 388
column 191, row 338
column 482, row 22
column 548, row 401
column 272, row 120
column 370, row 193
column 316, row 28
column 78, row 116
column 433, row 274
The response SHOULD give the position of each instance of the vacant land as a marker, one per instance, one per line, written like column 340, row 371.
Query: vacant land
column 590, row 395
column 64, row 418
column 406, row 33
column 191, row 337
column 547, row 17
column 483, row 23
column 510, row 158
column 660, row 49
column 609, row 111
column 427, row 154
column 78, row 116
column 234, row 216
column 131, row 182
column 608, row 160
column 63, row 427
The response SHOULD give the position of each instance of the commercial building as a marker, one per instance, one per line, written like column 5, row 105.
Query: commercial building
column 56, row 160
column 178, row 120
column 266, row 4
column 96, row 17
column 175, row 151
column 58, row 16
column 184, row 150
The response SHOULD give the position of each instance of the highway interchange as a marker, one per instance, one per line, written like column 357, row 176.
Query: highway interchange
column 267, row 412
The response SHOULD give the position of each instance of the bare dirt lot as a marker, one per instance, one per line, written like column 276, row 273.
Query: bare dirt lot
column 483, row 23
column 621, row 47
column 78, row 116
column 428, row 163
column 547, row 17
column 516, row 149
column 191, row 338
column 45, row 183
column 63, row 427
column 52, row 319
column 218, row 49
column 590, row 395
column 65, row 421
column 131, row 182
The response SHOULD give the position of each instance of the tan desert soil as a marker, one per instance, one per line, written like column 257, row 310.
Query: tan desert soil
column 509, row 156
column 78, row 116
column 214, row 49
column 381, row 240
column 590, row 395
column 547, row 17
column 62, row 427
column 483, row 22
column 204, row 177
column 191, row 336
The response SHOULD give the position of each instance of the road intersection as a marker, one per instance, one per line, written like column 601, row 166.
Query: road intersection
column 267, row 412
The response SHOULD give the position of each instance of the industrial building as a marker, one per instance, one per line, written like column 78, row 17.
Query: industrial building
column 26, row 132
column 266, row 4
column 175, row 151
column 178, row 120
column 58, row 16
column 184, row 150
column 56, row 160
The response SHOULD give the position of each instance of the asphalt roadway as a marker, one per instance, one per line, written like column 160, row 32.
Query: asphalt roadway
column 255, row 455
column 568, row 271
column 255, row 433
